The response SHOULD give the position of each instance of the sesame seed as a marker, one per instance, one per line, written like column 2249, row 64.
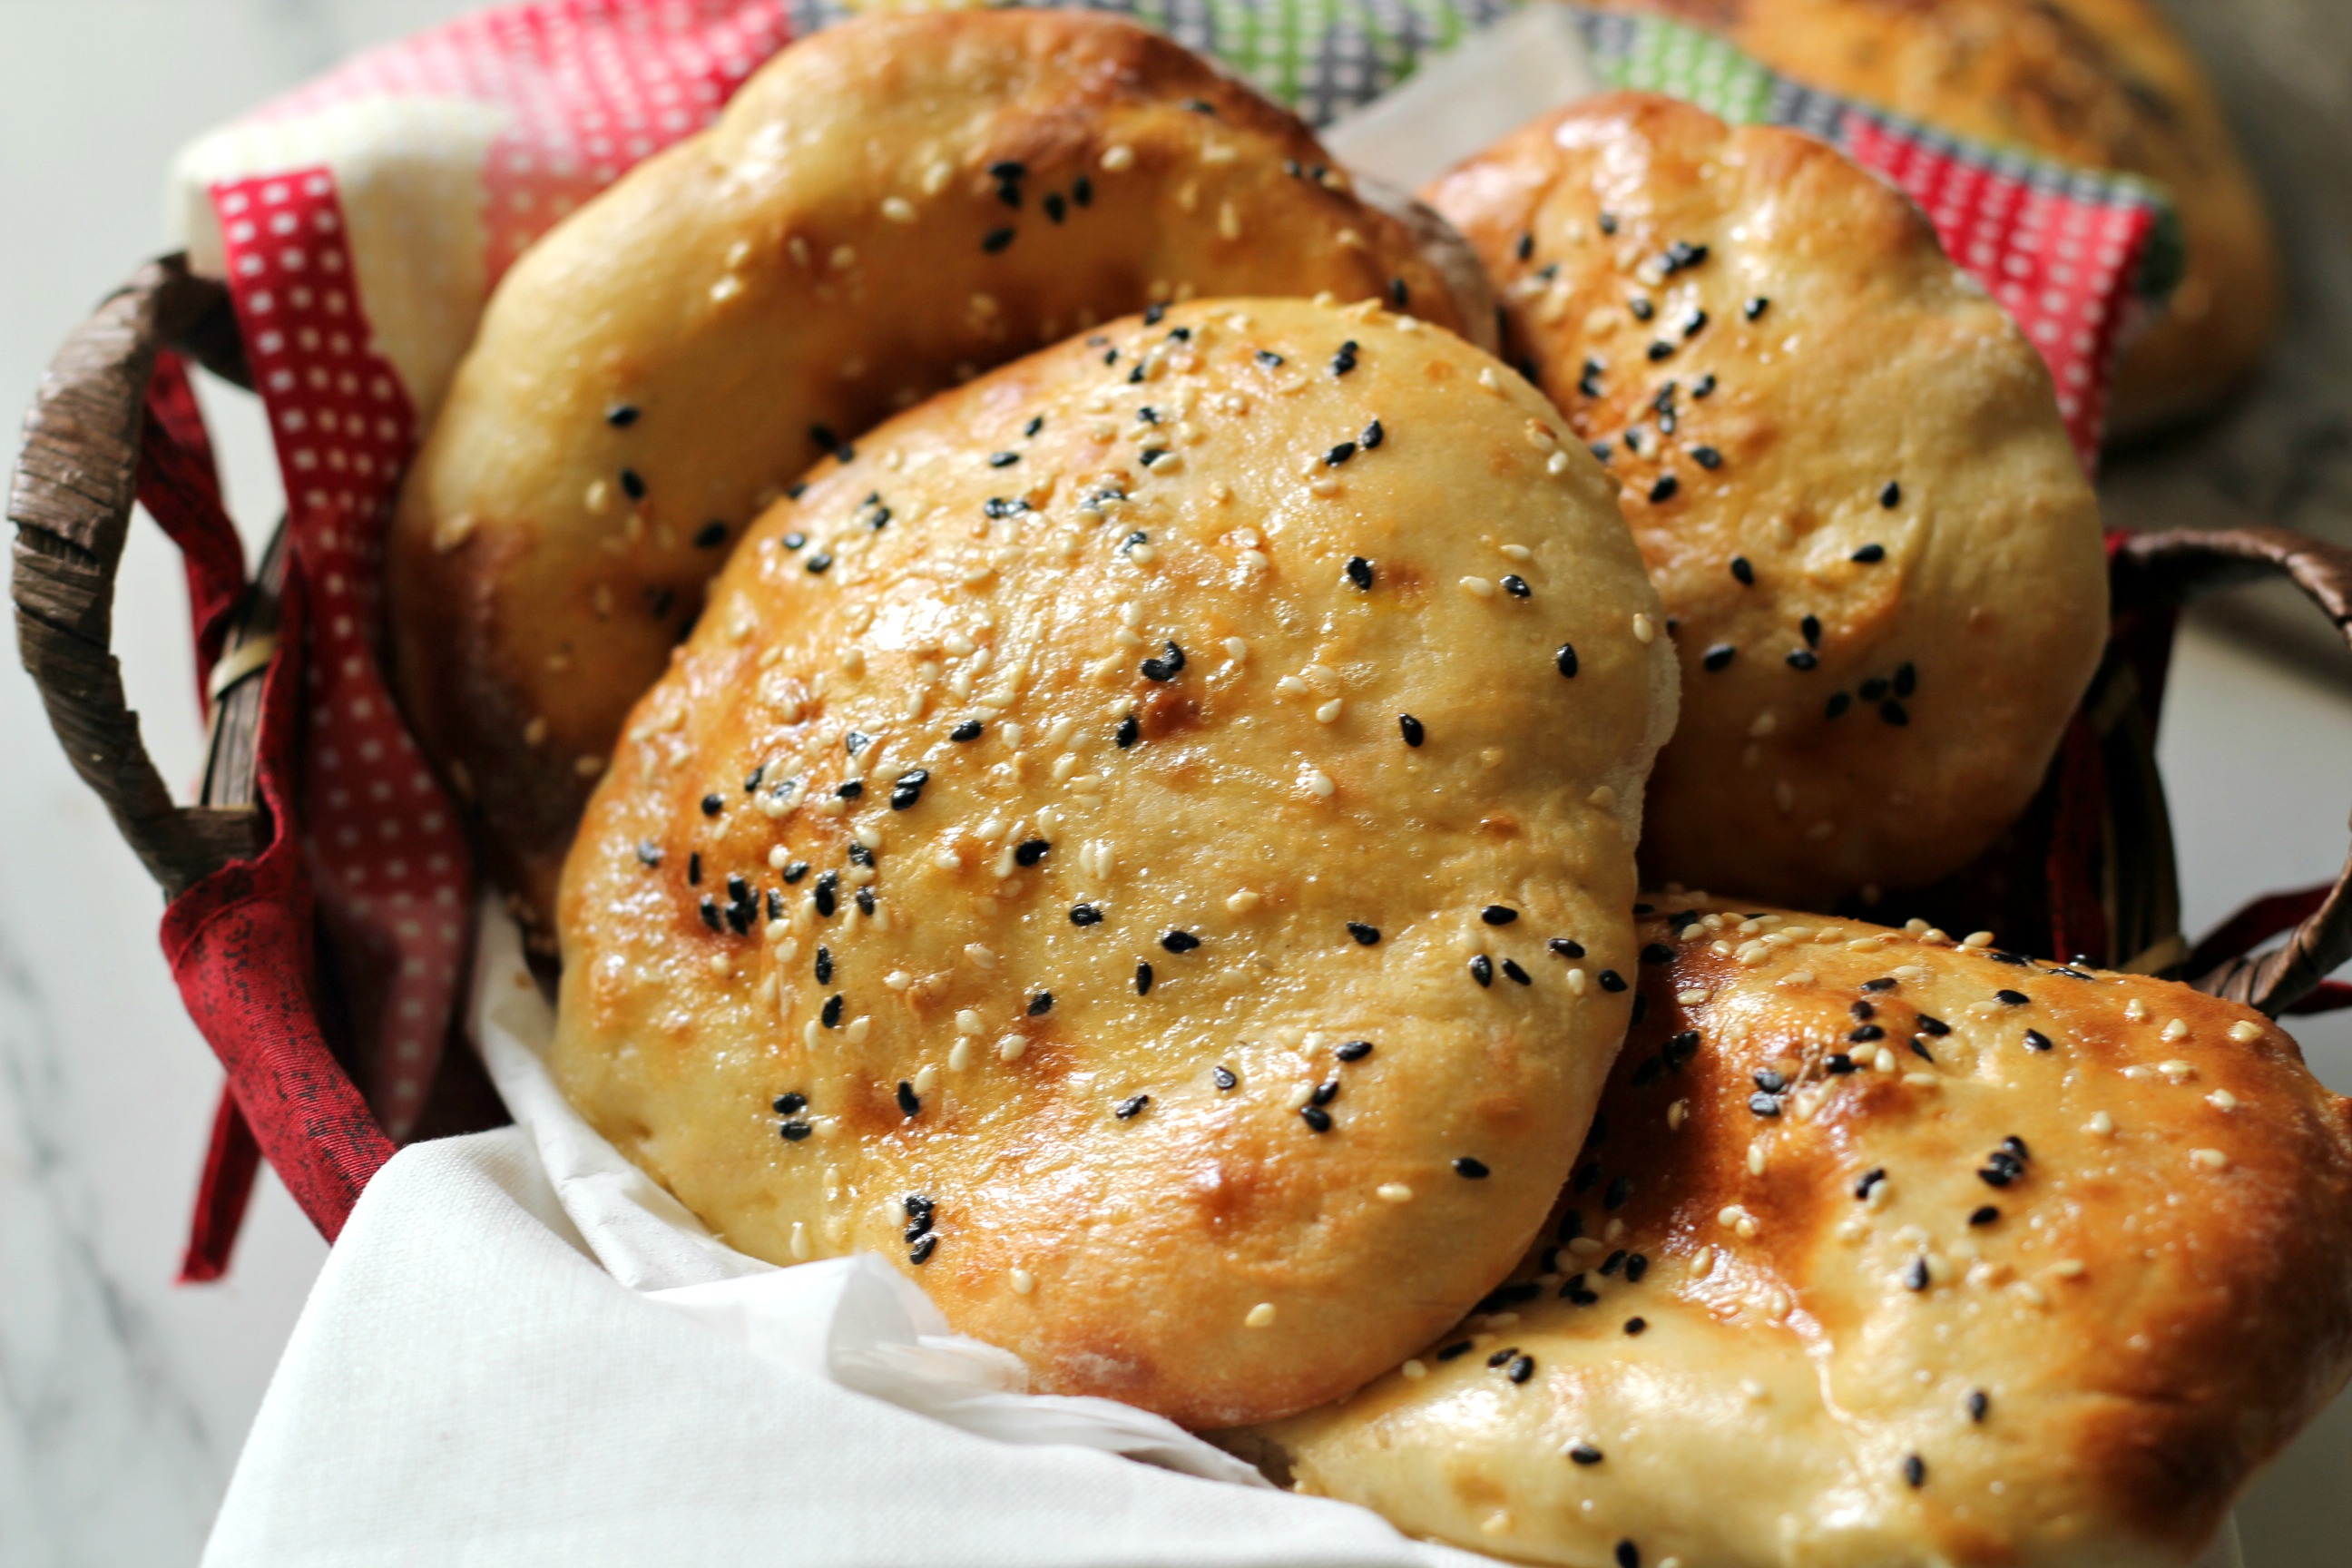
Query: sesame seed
column 1803, row 659
column 1663, row 489
column 1260, row 1316
column 1353, row 1050
column 650, row 853
column 1393, row 1192
column 1756, row 307
column 1521, row 1369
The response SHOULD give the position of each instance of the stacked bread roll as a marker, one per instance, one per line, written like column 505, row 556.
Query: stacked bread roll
column 1145, row 837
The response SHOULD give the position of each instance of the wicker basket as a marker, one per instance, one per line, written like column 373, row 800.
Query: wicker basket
column 2088, row 873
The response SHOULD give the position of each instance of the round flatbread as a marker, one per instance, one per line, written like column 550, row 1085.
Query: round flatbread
column 1847, row 472
column 1147, row 845
column 1886, row 1253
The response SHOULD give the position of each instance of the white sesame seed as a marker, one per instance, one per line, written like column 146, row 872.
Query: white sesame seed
column 721, row 963
column 1643, row 632
column 898, row 209
column 1603, row 798
column 801, row 1248
column 1009, row 1048
column 1691, row 998
column 1557, row 463
column 1260, row 1316
column 1320, row 783
column 1236, row 649
column 926, row 1078
column 1587, row 1247
column 1518, row 552
column 1022, row 1281
column 1702, row 1263
column 1612, row 1230
column 1116, row 158
column 960, row 1056
column 968, row 1022
column 2174, row 1030
column 2176, row 1070
column 2222, row 1099
column 1885, row 1060
column 2246, row 1031
column 1480, row 587
column 1756, row 1157
column 1329, row 712
column 1290, row 685
column 1242, row 902
column 1489, row 380
column 1299, row 1095
column 1676, row 1114
column 2210, row 1158
column 2136, row 1010
column 1730, row 1215
column 1393, row 1192
column 1976, row 939
column 858, row 1028
column 1577, row 981
column 1413, row 1368
column 2068, row 1268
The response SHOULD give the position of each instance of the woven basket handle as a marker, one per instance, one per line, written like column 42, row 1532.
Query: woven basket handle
column 2176, row 567
column 70, row 499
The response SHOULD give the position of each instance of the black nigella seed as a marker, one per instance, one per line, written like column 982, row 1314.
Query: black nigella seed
column 967, row 731
column 1869, row 555
column 1915, row 1470
column 1410, row 727
column 1895, row 713
column 1657, row 952
column 1154, row 314
column 1585, row 1453
column 859, row 855
column 1359, row 572
column 908, row 789
column 1719, row 657
column 995, row 239
column 1608, row 223
column 1353, row 1050
column 1399, row 295
column 1082, row 191
column 1143, row 979
column 1525, row 245
column 1521, row 1369
column 1866, row 1034
column 794, row 1131
column 797, row 870
column 787, row 1104
column 1517, row 587
column 1756, row 307
column 1345, row 360
column 1268, row 358
column 1764, row 1104
column 710, row 915
column 2014, row 998
column 1741, row 567
column 1128, row 1109
column 851, row 789
column 1643, row 309
column 1041, row 1004
column 1372, row 436
column 1915, row 1276
column 1883, row 984
column 712, row 805
column 824, row 966
column 1704, row 386
column 1338, row 453
column 1693, row 324
column 1367, row 935
column 1085, row 915
column 1635, row 1325
column 1984, row 1215
column 1565, row 947
column 1838, row 703
column 1223, row 1078
column 1928, row 1025
column 1628, row 1555
column 1811, row 626
column 1565, row 659
column 1002, row 459
column 2035, row 1040
column 827, row 895
column 920, row 1253
column 648, row 852
column 1513, row 973
column 1125, row 735
column 1708, row 457
column 1919, row 1049
column 1315, row 1117
column 819, row 563
column 1870, row 1179
column 1804, row 658
column 1620, row 1193
column 1471, row 1168
column 1056, row 208
column 1613, row 1262
column 1029, row 851
column 1635, row 1267
column 1610, row 980
column 1660, row 350
column 1892, row 496
column 711, row 535
column 620, row 416
column 1979, row 1403
column 1840, row 1063
column 1498, row 914
column 1454, row 1351
column 909, row 1105
column 1682, row 255
column 1770, row 1082
column 1663, row 487
column 832, row 1015
column 1180, row 942
column 1906, row 678
column 1482, row 970
column 794, row 539
column 633, row 483
column 1166, row 668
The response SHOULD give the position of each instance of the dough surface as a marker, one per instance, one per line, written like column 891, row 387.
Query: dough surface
column 2106, row 84
column 1844, row 467
column 888, row 207
column 2047, row 1298
column 1073, row 778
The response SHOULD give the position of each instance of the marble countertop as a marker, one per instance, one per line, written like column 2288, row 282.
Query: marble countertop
column 124, row 1399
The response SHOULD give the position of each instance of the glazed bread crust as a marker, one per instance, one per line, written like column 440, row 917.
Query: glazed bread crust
column 886, row 208
column 1844, row 467
column 1876, row 1331
column 2106, row 84
column 1070, row 778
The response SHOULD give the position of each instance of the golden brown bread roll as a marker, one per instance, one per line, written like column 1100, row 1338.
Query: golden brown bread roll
column 1148, row 845
column 886, row 207
column 1845, row 467
column 1887, row 1254
column 2105, row 84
